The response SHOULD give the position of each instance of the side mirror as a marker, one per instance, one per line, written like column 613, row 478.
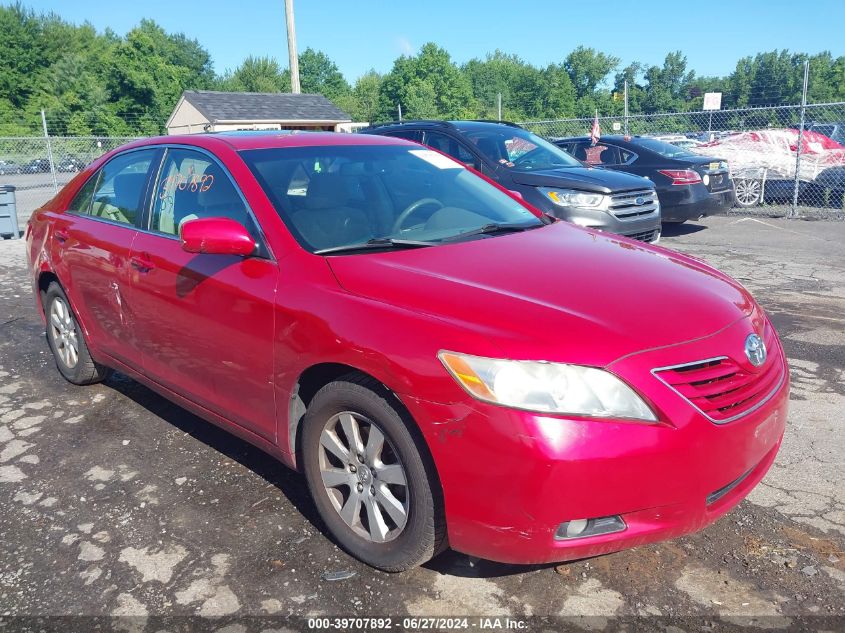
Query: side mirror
column 216, row 236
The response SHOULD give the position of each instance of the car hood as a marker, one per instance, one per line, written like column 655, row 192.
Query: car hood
column 558, row 293
column 584, row 178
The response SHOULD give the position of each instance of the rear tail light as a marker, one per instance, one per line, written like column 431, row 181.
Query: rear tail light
column 682, row 176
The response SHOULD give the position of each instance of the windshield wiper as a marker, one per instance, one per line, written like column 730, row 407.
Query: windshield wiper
column 490, row 229
column 375, row 243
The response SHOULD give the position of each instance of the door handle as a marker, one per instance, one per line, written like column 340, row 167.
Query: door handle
column 141, row 263
column 61, row 236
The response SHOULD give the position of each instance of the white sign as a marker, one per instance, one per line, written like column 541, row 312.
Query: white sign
column 617, row 126
column 712, row 100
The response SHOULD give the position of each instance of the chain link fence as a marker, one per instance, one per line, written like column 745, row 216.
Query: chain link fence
column 39, row 166
column 779, row 166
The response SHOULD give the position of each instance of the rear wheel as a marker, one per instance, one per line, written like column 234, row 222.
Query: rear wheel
column 369, row 478
column 749, row 192
column 64, row 335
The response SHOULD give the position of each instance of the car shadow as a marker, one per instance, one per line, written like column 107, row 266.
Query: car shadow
column 290, row 483
column 454, row 563
column 676, row 230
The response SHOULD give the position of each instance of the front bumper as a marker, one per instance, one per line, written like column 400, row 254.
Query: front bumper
column 510, row 478
column 644, row 228
column 690, row 202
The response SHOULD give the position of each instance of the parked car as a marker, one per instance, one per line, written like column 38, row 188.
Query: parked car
column 71, row 164
column 9, row 167
column 36, row 166
column 689, row 186
column 763, row 163
column 482, row 377
column 542, row 174
column 835, row 131
column 685, row 143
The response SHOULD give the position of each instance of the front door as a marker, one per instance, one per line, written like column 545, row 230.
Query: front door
column 205, row 322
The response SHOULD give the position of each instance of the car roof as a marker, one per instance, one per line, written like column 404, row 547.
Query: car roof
column 457, row 125
column 247, row 140
column 618, row 138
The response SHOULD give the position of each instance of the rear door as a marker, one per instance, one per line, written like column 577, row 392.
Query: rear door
column 205, row 322
column 90, row 249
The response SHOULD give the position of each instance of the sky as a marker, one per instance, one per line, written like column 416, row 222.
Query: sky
column 364, row 34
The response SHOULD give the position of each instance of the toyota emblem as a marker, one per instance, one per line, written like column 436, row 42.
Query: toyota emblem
column 755, row 350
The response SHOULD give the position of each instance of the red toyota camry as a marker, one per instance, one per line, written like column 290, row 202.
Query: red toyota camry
column 446, row 365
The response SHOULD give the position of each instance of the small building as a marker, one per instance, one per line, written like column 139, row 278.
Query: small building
column 209, row 111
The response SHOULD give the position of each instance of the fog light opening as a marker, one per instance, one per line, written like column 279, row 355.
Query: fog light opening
column 582, row 528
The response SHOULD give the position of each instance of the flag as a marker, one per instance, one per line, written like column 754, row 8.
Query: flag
column 595, row 132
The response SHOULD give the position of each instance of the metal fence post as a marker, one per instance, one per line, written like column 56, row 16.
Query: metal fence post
column 797, row 183
column 50, row 153
column 626, row 108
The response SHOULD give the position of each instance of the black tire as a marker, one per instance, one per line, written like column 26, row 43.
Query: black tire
column 424, row 533
column 84, row 371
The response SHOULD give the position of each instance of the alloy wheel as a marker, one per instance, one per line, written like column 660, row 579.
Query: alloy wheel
column 748, row 192
column 63, row 330
column 363, row 477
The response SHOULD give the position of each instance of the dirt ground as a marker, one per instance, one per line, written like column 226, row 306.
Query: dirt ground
column 114, row 502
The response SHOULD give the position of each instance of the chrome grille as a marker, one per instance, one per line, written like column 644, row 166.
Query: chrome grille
column 624, row 205
column 723, row 389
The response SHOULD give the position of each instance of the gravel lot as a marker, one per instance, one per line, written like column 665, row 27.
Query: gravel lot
column 115, row 502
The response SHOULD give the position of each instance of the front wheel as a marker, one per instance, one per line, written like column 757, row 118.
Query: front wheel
column 369, row 478
column 64, row 335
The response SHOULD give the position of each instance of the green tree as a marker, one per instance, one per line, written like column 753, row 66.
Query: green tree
column 667, row 87
column 362, row 104
column 22, row 45
column 256, row 74
column 319, row 75
column 406, row 84
column 588, row 68
column 636, row 92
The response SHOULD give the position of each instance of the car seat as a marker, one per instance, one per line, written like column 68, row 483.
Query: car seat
column 122, row 205
column 326, row 220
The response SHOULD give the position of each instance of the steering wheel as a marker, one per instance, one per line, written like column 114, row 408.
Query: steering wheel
column 397, row 225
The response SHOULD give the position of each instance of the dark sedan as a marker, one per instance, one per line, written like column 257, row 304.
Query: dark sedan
column 36, row 166
column 689, row 186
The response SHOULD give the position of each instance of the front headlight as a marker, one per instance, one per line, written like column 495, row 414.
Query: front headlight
column 577, row 199
column 546, row 387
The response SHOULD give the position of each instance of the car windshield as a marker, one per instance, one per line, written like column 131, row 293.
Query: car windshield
column 519, row 149
column 667, row 150
column 389, row 196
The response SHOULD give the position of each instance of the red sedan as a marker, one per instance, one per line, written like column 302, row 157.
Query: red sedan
column 445, row 364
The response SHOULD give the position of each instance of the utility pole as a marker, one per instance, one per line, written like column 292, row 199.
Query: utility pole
column 499, row 100
column 399, row 109
column 294, row 58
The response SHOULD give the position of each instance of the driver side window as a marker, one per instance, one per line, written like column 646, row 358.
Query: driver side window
column 453, row 148
column 192, row 185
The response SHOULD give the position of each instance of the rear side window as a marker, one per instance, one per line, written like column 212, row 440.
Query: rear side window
column 601, row 154
column 81, row 202
column 121, row 183
column 192, row 185
column 410, row 135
